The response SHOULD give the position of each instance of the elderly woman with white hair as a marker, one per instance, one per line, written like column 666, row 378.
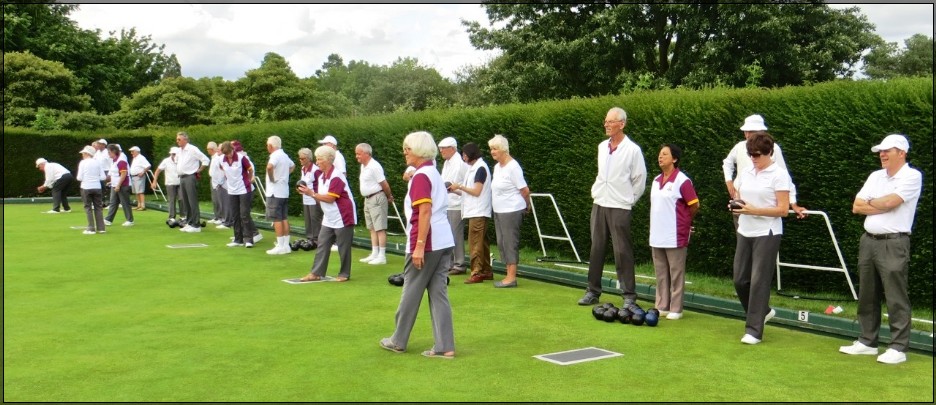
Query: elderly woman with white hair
column 510, row 199
column 429, row 251
column 333, row 193
column 90, row 174
column 309, row 173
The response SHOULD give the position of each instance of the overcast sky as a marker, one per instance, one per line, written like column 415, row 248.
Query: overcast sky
column 228, row 39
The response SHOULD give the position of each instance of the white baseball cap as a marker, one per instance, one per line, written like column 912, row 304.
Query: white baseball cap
column 102, row 141
column 754, row 123
column 448, row 142
column 329, row 139
column 87, row 150
column 892, row 141
column 135, row 148
column 174, row 150
column 41, row 161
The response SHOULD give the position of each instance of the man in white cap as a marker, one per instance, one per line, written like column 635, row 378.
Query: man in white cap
column 739, row 157
column 453, row 172
column 57, row 178
column 190, row 163
column 100, row 154
column 219, row 195
column 888, row 200
column 168, row 165
column 138, row 168
column 340, row 165
column 278, row 169
column 377, row 195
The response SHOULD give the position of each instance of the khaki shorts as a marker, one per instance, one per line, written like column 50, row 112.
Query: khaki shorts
column 375, row 212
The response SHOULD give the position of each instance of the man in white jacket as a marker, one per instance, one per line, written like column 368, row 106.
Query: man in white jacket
column 621, row 180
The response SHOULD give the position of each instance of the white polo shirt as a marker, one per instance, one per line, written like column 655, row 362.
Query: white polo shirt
column 169, row 167
column 103, row 159
column 622, row 175
column 670, row 220
column 759, row 190
column 236, row 174
column 906, row 183
column 90, row 174
column 53, row 172
column 426, row 187
column 506, row 184
column 340, row 165
column 453, row 171
column 215, row 171
column 738, row 156
column 310, row 177
column 281, row 165
column 139, row 165
column 370, row 178
column 480, row 206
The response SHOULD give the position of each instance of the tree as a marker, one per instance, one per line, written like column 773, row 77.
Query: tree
column 408, row 86
column 175, row 101
column 886, row 60
column 554, row 50
column 30, row 83
column 273, row 92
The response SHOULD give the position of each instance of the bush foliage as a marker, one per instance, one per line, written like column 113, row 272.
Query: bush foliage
column 826, row 132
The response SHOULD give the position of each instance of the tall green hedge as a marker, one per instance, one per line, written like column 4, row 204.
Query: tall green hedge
column 826, row 132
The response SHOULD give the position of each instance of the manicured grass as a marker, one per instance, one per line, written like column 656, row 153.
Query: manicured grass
column 120, row 317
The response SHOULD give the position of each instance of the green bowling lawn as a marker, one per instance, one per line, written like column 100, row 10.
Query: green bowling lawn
column 121, row 317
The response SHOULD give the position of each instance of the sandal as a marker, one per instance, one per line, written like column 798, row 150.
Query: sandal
column 341, row 279
column 388, row 344
column 310, row 277
column 431, row 353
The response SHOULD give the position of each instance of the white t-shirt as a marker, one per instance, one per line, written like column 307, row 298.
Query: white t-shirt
column 340, row 165
column 281, row 165
column 759, row 190
column 506, row 184
column 215, row 172
column 371, row 176
column 53, row 172
column 169, row 166
column 906, row 183
column 738, row 156
column 139, row 165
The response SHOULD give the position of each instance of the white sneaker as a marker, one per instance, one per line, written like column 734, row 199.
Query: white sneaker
column 858, row 348
column 258, row 237
column 127, row 223
column 248, row 245
column 101, row 231
column 274, row 251
column 222, row 226
column 769, row 316
column 51, row 212
column 192, row 229
column 234, row 244
column 184, row 228
column 108, row 223
column 749, row 340
column 368, row 258
column 213, row 221
column 892, row 356
column 378, row 260
column 664, row 313
column 674, row 315
column 66, row 210
column 334, row 248
column 87, row 232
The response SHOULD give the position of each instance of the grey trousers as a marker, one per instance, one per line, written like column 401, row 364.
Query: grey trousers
column 243, row 224
column 883, row 267
column 670, row 268
column 121, row 197
column 458, row 230
column 328, row 237
column 219, row 198
column 431, row 278
column 507, row 232
column 614, row 224
column 172, row 194
column 189, row 191
column 94, row 208
column 313, row 221
column 755, row 261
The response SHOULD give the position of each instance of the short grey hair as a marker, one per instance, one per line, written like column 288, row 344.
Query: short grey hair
column 325, row 152
column 182, row 134
column 619, row 112
column 306, row 153
column 275, row 142
column 421, row 144
column 499, row 142
column 364, row 148
column 212, row 145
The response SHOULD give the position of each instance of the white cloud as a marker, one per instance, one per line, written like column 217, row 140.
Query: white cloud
column 228, row 39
